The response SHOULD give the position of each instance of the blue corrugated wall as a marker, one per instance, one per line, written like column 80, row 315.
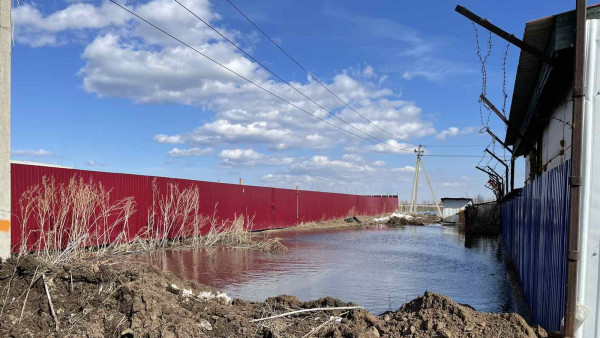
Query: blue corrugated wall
column 534, row 226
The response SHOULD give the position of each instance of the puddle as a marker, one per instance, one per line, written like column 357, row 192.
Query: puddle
column 379, row 268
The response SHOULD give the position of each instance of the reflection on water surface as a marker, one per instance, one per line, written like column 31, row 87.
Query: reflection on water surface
column 377, row 267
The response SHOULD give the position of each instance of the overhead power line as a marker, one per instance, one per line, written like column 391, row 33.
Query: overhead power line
column 312, row 76
column 273, row 73
column 445, row 155
column 457, row 146
column 250, row 81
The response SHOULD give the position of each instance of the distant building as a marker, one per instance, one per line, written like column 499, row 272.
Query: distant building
column 454, row 209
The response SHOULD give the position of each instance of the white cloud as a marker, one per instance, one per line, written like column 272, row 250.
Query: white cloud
column 176, row 152
column 35, row 29
column 405, row 169
column 129, row 59
column 352, row 157
column 39, row 152
column 434, row 69
column 240, row 154
column 125, row 58
column 251, row 158
column 161, row 138
column 454, row 131
column 450, row 132
column 348, row 171
column 390, row 146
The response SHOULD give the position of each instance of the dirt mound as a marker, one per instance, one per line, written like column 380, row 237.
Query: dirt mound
column 412, row 220
column 97, row 300
column 116, row 300
column 434, row 315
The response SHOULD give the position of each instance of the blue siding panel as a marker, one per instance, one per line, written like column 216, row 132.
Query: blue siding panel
column 534, row 227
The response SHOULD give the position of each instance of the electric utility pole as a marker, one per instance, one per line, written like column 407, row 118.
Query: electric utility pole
column 5, row 51
column 413, row 200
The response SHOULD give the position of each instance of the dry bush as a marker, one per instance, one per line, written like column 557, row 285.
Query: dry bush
column 59, row 221
column 65, row 221
column 174, row 216
column 237, row 233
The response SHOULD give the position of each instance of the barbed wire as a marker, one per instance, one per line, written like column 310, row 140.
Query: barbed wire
column 504, row 92
column 483, row 60
column 483, row 154
column 493, row 151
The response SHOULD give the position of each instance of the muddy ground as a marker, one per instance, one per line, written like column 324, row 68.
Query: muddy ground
column 116, row 300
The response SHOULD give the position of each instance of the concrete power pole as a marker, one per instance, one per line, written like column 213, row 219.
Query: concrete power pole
column 5, row 54
column 413, row 200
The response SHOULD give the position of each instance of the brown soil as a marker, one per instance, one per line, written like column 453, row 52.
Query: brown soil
column 116, row 300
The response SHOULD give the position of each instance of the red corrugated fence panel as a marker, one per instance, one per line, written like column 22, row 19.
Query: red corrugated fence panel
column 267, row 207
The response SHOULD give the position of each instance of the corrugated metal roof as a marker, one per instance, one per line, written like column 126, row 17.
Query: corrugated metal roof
column 537, row 33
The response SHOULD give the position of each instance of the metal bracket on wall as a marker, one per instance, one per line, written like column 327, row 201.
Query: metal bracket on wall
column 573, row 255
column 485, row 23
column 578, row 92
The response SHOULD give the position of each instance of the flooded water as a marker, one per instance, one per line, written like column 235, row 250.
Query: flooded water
column 379, row 268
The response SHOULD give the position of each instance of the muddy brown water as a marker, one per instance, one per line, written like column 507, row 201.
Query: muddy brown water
column 379, row 268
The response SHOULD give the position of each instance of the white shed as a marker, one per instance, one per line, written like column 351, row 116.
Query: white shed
column 453, row 207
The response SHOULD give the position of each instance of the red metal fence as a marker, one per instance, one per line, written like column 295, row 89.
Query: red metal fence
column 269, row 207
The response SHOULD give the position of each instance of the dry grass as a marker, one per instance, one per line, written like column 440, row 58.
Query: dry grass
column 63, row 222
column 338, row 223
column 58, row 221
column 234, row 234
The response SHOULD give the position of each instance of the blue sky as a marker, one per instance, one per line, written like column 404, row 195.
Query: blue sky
column 94, row 88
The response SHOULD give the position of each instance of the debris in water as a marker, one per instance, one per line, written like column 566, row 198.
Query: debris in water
column 396, row 219
column 352, row 220
column 385, row 219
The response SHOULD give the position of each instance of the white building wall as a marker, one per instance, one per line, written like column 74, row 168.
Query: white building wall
column 527, row 170
column 556, row 140
column 451, row 208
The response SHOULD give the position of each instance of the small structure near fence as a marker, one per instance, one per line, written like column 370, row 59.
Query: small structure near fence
column 454, row 208
column 483, row 218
